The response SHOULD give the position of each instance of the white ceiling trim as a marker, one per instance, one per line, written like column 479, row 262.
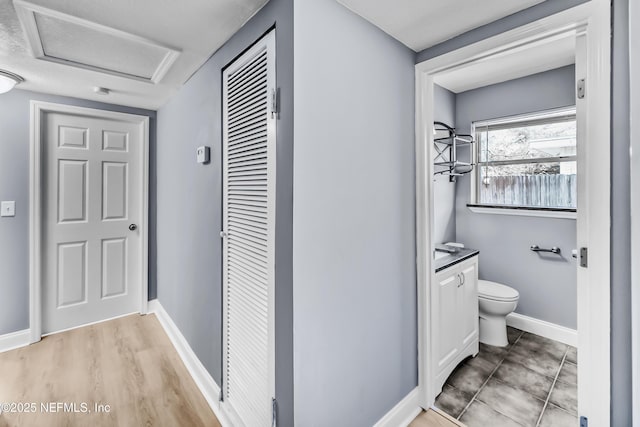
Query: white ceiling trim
column 536, row 57
column 420, row 24
column 27, row 14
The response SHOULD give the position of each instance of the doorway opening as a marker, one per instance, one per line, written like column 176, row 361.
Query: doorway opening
column 583, row 31
column 248, row 249
column 88, row 249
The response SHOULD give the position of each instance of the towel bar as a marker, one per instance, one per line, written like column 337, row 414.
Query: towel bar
column 553, row 250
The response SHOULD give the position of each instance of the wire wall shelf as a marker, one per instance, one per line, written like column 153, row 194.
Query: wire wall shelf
column 446, row 142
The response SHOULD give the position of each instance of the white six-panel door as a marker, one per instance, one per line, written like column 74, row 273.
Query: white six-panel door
column 249, row 222
column 91, row 217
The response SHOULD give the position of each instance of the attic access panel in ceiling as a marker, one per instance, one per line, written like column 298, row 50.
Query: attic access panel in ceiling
column 58, row 37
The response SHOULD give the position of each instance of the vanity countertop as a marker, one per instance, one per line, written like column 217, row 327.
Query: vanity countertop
column 444, row 260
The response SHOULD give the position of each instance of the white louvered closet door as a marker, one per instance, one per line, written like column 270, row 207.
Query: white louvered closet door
column 249, row 139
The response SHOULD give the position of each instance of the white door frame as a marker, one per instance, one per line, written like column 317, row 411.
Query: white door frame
column 38, row 109
column 593, row 225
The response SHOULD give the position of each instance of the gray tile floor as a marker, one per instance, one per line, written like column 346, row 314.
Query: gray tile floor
column 529, row 383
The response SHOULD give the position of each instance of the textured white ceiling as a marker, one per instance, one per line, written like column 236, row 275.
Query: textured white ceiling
column 420, row 24
column 525, row 62
column 195, row 28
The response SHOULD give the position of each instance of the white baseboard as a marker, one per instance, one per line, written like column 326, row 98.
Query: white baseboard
column 403, row 413
column 544, row 329
column 202, row 378
column 15, row 340
column 88, row 324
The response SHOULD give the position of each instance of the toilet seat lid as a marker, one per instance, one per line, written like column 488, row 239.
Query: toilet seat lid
column 496, row 291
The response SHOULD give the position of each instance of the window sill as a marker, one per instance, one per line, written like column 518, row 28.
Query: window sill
column 523, row 211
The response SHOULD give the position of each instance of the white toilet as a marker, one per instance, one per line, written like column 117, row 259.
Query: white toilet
column 495, row 302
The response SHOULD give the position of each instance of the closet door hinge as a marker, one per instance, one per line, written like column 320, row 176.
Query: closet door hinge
column 274, row 412
column 580, row 89
column 275, row 103
column 584, row 422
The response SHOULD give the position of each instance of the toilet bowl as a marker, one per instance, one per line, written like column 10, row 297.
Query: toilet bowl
column 495, row 302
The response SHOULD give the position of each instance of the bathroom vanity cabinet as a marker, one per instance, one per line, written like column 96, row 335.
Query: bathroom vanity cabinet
column 454, row 305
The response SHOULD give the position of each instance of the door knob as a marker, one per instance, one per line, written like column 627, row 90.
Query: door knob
column 133, row 227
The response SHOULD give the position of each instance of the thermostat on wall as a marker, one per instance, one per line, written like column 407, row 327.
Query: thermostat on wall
column 203, row 154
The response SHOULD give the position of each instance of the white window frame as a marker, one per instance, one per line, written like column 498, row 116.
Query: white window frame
column 476, row 206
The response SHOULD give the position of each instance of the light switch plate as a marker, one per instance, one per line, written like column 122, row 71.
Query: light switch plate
column 202, row 154
column 8, row 208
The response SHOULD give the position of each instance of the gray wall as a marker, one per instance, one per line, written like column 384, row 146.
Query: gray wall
column 621, row 403
column 444, row 192
column 190, row 203
column 14, row 185
column 620, row 245
column 547, row 284
column 634, row 136
column 354, row 219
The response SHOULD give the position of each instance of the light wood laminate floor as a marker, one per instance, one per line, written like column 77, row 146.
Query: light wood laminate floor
column 127, row 363
column 433, row 418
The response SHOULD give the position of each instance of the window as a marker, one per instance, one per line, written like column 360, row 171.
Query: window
column 527, row 161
